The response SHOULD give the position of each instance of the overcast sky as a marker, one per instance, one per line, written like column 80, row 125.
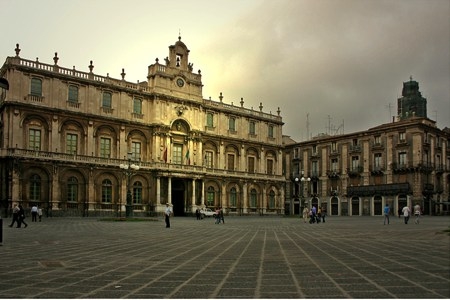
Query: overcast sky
column 342, row 63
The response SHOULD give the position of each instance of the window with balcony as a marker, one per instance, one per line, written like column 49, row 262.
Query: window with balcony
column 209, row 159
column 136, row 151
column 71, row 143
column 355, row 163
column 105, row 147
column 36, row 87
column 270, row 166
column 230, row 162
column 334, row 165
column 377, row 162
column 34, row 139
column 402, row 159
column 177, row 153
column 251, row 164
column 402, row 137
column 73, row 94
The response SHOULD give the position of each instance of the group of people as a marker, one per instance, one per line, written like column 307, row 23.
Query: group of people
column 18, row 215
column 405, row 212
column 219, row 216
column 315, row 215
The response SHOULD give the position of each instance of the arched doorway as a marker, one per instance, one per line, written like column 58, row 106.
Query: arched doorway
column 355, row 206
column 178, row 197
column 377, row 206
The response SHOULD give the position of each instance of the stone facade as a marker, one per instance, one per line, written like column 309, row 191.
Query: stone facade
column 76, row 143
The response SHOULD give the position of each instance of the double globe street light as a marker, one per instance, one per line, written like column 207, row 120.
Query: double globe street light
column 302, row 180
column 129, row 170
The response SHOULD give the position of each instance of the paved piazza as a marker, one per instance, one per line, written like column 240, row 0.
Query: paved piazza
column 247, row 257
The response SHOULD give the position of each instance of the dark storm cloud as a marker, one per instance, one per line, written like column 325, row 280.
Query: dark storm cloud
column 338, row 61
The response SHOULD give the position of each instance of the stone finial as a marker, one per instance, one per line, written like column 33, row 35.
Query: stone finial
column 123, row 74
column 156, row 60
column 55, row 59
column 260, row 106
column 91, row 66
column 278, row 111
column 17, row 50
column 221, row 97
column 242, row 102
column 199, row 72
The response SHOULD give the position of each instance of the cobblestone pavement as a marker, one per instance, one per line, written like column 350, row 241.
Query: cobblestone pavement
column 247, row 257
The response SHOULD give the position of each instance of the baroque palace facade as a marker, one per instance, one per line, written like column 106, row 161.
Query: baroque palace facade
column 76, row 143
column 400, row 163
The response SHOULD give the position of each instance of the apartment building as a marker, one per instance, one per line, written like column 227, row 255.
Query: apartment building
column 77, row 143
column 400, row 163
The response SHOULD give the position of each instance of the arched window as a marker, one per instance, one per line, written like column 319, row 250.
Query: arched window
column 233, row 197
column 210, row 195
column 271, row 200
column 35, row 188
column 72, row 189
column 106, row 191
column 137, row 192
column 253, row 198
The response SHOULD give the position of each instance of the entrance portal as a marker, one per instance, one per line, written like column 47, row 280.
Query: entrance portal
column 178, row 197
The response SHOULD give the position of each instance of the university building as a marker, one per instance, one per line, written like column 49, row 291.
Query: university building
column 400, row 163
column 79, row 144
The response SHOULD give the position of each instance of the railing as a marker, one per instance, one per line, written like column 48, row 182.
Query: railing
column 93, row 161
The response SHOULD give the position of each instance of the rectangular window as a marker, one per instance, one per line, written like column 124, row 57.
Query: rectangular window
column 355, row 163
column 232, row 124
column 208, row 159
column 107, row 100
column 378, row 140
column 377, row 161
column 252, row 128
column 73, row 94
column 333, row 147
column 36, row 87
column 270, row 166
column 230, row 162
column 270, row 131
column 209, row 120
column 105, row 147
column 34, row 139
column 251, row 164
column 402, row 158
column 401, row 137
column 136, row 151
column 177, row 154
column 137, row 193
column 137, row 106
column 315, row 168
column 334, row 165
column 71, row 143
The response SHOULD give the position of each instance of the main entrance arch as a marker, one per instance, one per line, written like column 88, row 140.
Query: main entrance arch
column 178, row 197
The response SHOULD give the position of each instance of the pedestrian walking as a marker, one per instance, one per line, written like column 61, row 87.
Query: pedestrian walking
column 406, row 212
column 319, row 215
column 34, row 212
column 417, row 213
column 312, row 215
column 386, row 211
column 15, row 216
column 39, row 214
column 305, row 214
column 217, row 216
column 324, row 213
column 197, row 214
column 22, row 217
column 399, row 211
column 168, row 214
column 221, row 216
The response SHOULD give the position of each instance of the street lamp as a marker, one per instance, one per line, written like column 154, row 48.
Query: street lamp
column 129, row 170
column 302, row 180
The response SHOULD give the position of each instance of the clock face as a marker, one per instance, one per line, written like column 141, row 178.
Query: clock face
column 180, row 82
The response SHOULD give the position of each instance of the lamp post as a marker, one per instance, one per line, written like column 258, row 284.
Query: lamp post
column 303, row 180
column 129, row 170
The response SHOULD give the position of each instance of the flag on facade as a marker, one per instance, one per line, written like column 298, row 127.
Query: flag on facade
column 187, row 157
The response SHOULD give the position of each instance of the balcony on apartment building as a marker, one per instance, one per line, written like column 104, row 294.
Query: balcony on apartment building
column 354, row 171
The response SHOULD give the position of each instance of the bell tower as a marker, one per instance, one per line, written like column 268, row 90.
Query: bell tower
column 175, row 77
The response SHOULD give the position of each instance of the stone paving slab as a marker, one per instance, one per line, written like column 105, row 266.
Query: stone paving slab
column 247, row 257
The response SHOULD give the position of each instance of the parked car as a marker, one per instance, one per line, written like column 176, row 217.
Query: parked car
column 207, row 212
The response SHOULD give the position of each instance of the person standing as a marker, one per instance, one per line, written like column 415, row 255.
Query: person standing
column 21, row 217
column 167, row 214
column 39, row 212
column 305, row 214
column 324, row 213
column 406, row 212
column 34, row 212
column 15, row 215
column 386, row 211
column 417, row 213
column 221, row 215
column 197, row 214
column 312, row 214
